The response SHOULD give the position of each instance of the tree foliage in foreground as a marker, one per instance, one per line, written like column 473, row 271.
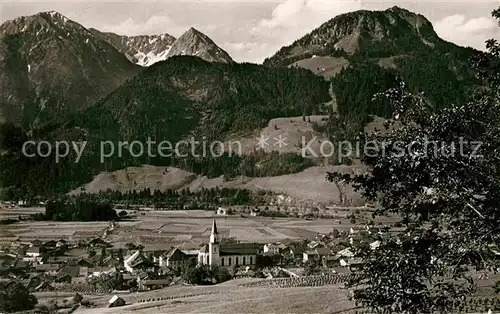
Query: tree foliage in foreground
column 440, row 171
column 15, row 297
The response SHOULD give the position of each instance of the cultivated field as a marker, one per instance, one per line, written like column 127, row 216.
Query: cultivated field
column 158, row 230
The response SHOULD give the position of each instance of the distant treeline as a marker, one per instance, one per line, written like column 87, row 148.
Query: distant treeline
column 185, row 198
column 82, row 208
column 100, row 206
column 49, row 179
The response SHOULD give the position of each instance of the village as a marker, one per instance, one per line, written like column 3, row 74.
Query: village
column 101, row 265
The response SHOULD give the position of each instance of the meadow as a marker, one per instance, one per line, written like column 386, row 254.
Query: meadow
column 157, row 230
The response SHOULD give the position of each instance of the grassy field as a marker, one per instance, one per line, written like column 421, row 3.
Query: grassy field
column 232, row 298
column 158, row 230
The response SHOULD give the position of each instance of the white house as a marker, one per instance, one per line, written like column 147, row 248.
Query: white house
column 255, row 212
column 318, row 253
column 313, row 244
column 275, row 248
column 137, row 261
column 345, row 253
column 374, row 245
column 221, row 211
column 352, row 263
column 33, row 254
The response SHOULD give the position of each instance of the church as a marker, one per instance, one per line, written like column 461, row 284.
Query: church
column 227, row 254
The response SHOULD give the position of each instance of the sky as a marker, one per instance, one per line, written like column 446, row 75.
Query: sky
column 251, row 30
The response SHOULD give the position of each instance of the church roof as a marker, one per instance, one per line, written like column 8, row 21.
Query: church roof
column 239, row 249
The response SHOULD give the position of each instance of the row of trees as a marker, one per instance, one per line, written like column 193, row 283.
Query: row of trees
column 82, row 208
column 185, row 198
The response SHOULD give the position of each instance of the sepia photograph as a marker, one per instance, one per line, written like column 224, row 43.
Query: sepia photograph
column 250, row 156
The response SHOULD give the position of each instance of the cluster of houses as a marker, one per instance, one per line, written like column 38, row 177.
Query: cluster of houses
column 332, row 250
column 46, row 266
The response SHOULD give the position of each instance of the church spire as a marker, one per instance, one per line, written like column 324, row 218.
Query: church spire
column 214, row 228
column 214, row 235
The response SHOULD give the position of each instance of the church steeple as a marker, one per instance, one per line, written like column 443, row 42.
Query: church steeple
column 214, row 235
column 213, row 246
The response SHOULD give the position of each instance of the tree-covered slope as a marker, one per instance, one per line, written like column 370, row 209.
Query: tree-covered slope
column 187, row 95
column 383, row 47
column 179, row 98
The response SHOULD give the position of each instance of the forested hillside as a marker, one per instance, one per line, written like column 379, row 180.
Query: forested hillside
column 383, row 48
column 173, row 100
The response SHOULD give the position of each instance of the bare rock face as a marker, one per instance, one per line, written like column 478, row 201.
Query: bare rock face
column 143, row 50
column 195, row 43
column 51, row 67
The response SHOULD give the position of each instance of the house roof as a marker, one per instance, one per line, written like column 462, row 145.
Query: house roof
column 73, row 271
column 50, row 243
column 76, row 252
column 33, row 249
column 7, row 257
column 98, row 242
column 115, row 299
column 132, row 256
column 58, row 259
column 83, row 262
column 44, row 286
column 281, row 246
column 354, row 261
column 313, row 244
column 137, row 259
column 47, row 267
column 345, row 253
column 176, row 255
column 323, row 251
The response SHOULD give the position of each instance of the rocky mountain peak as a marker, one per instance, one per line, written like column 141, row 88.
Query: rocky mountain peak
column 41, row 24
column 392, row 30
column 195, row 43
column 143, row 50
column 51, row 66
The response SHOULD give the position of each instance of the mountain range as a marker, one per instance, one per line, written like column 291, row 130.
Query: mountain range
column 52, row 67
column 92, row 85
column 146, row 50
column 143, row 50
